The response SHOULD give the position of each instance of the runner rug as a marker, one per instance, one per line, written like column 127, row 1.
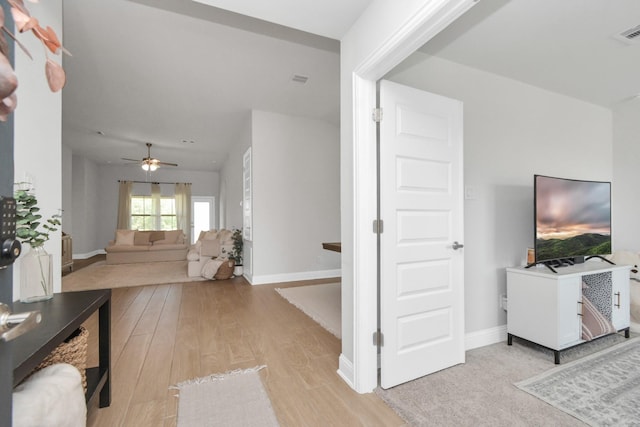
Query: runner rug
column 235, row 398
column 320, row 302
column 602, row 389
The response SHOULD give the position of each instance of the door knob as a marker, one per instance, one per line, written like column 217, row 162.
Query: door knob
column 457, row 246
column 14, row 325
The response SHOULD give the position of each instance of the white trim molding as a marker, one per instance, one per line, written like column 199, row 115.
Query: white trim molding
column 89, row 254
column 485, row 337
column 345, row 370
column 294, row 277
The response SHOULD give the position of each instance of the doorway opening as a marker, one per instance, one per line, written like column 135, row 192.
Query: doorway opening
column 203, row 215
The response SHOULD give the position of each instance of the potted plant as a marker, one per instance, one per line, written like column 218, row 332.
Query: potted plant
column 36, row 278
column 236, row 251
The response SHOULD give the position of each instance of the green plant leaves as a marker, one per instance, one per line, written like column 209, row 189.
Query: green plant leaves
column 28, row 219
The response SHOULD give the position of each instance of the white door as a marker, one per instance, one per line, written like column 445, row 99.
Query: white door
column 421, row 206
column 202, row 215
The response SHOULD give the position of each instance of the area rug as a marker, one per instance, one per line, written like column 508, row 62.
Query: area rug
column 481, row 391
column 102, row 276
column 235, row 398
column 602, row 389
column 320, row 302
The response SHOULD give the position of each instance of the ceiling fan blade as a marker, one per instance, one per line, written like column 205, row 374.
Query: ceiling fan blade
column 167, row 164
column 131, row 160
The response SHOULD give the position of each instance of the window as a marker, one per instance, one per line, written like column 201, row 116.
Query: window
column 146, row 216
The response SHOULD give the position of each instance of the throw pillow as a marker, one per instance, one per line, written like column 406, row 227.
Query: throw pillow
column 209, row 248
column 225, row 237
column 154, row 236
column 141, row 238
column 125, row 237
column 225, row 271
column 208, row 235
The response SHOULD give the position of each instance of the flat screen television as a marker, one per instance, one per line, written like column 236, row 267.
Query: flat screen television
column 572, row 220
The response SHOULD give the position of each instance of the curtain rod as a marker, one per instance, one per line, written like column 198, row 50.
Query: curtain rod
column 151, row 182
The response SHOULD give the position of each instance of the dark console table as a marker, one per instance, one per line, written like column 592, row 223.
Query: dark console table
column 61, row 316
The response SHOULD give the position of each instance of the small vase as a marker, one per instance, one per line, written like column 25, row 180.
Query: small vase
column 36, row 275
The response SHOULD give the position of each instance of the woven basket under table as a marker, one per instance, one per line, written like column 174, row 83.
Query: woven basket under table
column 72, row 351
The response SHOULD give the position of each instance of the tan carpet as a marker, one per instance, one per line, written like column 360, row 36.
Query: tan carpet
column 320, row 302
column 235, row 398
column 102, row 276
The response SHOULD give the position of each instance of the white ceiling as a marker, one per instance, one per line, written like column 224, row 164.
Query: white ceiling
column 566, row 46
column 329, row 18
column 165, row 71
column 140, row 73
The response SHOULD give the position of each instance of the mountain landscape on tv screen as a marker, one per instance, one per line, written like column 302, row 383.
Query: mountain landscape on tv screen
column 584, row 244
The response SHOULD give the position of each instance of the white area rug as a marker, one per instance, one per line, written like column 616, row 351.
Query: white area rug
column 320, row 302
column 235, row 398
column 602, row 389
column 102, row 276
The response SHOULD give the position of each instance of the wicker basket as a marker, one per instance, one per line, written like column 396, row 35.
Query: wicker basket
column 72, row 351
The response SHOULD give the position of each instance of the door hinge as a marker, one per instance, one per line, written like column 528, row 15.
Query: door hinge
column 378, row 338
column 378, row 226
column 377, row 115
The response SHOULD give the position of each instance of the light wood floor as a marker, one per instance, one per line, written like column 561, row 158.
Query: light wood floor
column 165, row 334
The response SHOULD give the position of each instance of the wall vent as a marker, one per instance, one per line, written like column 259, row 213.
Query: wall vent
column 630, row 36
column 297, row 78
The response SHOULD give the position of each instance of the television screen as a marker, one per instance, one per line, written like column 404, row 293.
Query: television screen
column 573, row 219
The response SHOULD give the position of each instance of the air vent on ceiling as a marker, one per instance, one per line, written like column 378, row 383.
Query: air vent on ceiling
column 630, row 36
column 297, row 78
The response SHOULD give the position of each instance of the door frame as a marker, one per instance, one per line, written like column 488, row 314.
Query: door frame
column 432, row 18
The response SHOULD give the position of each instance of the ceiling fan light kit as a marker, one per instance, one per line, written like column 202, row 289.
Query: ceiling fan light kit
column 149, row 164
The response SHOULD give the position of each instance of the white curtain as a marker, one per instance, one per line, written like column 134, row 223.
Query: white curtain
column 155, row 205
column 124, row 205
column 183, row 208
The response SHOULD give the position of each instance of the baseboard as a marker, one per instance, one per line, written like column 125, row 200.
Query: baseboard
column 89, row 255
column 294, row 277
column 485, row 337
column 345, row 370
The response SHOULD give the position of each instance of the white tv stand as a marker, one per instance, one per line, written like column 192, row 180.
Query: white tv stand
column 546, row 307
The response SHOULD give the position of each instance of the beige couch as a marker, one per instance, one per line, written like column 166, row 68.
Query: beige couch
column 132, row 246
column 210, row 244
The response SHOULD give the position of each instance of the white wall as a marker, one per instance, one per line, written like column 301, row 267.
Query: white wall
column 626, row 176
column 231, row 178
column 86, row 205
column 296, row 199
column 38, row 123
column 95, row 198
column 67, row 185
column 511, row 132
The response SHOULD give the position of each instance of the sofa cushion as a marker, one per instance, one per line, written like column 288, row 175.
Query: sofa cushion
column 155, row 236
column 168, row 246
column 125, row 237
column 141, row 238
column 170, row 237
column 210, row 248
column 127, row 248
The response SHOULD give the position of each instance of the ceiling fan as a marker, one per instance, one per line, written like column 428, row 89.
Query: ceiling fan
column 149, row 163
